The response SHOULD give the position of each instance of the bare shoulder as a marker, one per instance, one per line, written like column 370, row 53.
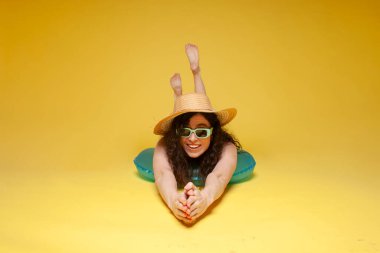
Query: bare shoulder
column 229, row 150
column 229, row 155
column 227, row 163
column 160, row 149
column 160, row 159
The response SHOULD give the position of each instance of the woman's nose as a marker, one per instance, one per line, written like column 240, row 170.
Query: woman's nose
column 192, row 137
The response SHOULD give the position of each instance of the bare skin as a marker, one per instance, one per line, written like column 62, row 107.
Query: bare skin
column 175, row 82
column 193, row 56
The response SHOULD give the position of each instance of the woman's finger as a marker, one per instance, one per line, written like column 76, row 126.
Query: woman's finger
column 190, row 193
column 189, row 186
column 190, row 201
column 188, row 221
column 182, row 199
column 194, row 206
column 195, row 213
column 184, row 218
column 181, row 214
column 179, row 206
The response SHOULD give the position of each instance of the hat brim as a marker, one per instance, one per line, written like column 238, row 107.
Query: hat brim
column 224, row 116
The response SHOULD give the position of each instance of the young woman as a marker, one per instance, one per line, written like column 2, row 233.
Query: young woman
column 194, row 145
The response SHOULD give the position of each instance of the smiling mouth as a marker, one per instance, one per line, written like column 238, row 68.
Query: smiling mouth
column 193, row 147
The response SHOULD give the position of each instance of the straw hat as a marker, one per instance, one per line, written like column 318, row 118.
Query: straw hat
column 193, row 102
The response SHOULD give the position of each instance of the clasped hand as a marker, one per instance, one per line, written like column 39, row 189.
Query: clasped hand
column 189, row 204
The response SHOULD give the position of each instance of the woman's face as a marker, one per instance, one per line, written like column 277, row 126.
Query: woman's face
column 193, row 146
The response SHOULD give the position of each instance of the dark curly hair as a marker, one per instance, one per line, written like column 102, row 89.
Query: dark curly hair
column 181, row 162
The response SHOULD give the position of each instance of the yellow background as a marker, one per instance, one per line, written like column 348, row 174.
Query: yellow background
column 82, row 84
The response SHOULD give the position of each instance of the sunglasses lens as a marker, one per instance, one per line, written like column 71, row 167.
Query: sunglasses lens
column 184, row 132
column 201, row 133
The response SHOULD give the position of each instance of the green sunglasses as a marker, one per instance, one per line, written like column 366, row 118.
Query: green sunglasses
column 200, row 133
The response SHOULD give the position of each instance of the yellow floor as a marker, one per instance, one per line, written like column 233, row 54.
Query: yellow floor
column 83, row 83
column 315, row 203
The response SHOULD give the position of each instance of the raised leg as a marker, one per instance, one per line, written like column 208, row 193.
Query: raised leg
column 175, row 82
column 193, row 56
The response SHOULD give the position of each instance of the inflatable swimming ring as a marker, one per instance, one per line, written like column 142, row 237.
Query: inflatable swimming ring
column 243, row 171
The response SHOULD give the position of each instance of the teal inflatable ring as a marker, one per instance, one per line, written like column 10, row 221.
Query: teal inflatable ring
column 243, row 171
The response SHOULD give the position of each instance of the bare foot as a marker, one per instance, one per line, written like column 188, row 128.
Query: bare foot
column 176, row 84
column 192, row 55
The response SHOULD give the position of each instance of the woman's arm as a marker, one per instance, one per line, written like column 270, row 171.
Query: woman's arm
column 167, row 184
column 216, row 182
